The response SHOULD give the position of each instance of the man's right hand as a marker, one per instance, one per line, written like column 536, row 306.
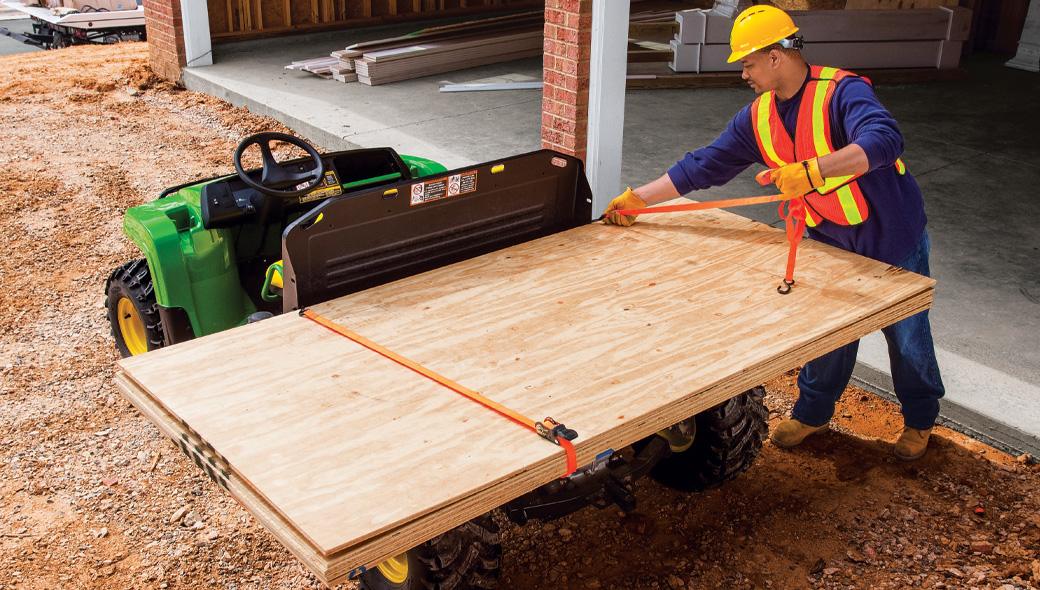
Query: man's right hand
column 627, row 200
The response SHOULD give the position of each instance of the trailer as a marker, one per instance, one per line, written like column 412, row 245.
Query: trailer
column 58, row 28
column 392, row 403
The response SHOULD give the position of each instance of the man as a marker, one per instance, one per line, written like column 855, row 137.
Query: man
column 827, row 138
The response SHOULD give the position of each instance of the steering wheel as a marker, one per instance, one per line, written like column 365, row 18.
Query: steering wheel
column 274, row 176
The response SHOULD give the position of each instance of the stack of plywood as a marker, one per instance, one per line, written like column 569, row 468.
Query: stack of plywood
column 424, row 59
column 325, row 67
column 321, row 66
column 444, row 49
column 348, row 458
column 850, row 39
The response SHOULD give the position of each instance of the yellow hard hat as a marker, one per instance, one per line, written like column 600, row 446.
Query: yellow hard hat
column 758, row 27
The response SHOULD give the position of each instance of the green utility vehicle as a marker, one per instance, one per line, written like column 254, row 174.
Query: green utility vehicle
column 211, row 248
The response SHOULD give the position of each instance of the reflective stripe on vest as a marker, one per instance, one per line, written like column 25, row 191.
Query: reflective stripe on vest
column 770, row 133
column 840, row 199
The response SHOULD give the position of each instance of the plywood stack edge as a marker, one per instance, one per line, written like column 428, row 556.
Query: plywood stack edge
column 616, row 332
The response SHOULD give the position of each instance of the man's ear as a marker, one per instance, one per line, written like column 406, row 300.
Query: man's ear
column 774, row 57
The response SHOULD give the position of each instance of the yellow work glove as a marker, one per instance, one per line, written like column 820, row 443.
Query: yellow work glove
column 798, row 179
column 627, row 200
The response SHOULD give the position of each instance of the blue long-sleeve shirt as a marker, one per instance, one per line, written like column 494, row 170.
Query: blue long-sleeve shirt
column 896, row 216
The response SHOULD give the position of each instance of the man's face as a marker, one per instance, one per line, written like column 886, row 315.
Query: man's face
column 760, row 71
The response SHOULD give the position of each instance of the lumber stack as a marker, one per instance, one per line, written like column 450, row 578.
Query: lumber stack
column 850, row 39
column 424, row 59
column 325, row 67
column 348, row 458
column 444, row 49
column 321, row 66
column 471, row 44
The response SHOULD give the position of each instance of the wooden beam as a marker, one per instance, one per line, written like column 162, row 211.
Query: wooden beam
column 247, row 6
column 649, row 56
column 638, row 30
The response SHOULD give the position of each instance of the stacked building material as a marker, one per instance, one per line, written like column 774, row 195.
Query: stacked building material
column 445, row 49
column 474, row 43
column 392, row 65
column 321, row 66
column 853, row 39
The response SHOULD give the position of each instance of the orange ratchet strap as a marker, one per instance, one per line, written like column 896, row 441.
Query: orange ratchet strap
column 705, row 205
column 794, row 219
column 548, row 429
column 794, row 222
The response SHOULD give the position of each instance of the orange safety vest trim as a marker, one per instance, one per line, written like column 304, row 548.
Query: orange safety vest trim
column 840, row 199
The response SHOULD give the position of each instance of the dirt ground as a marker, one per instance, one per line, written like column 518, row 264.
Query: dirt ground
column 92, row 496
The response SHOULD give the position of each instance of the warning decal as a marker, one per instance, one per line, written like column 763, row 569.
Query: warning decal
column 328, row 187
column 456, row 184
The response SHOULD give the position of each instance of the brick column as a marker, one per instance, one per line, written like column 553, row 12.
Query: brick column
column 565, row 94
column 162, row 21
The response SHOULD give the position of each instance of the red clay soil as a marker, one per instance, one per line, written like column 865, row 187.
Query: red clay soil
column 93, row 496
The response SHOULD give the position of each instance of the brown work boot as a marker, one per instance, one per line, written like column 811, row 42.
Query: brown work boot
column 912, row 445
column 793, row 432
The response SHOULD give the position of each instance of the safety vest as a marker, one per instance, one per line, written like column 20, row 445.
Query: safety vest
column 840, row 199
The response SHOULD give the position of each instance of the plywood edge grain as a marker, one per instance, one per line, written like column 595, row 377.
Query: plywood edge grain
column 297, row 544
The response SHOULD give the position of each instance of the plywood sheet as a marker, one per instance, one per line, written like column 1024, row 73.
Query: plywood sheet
column 349, row 458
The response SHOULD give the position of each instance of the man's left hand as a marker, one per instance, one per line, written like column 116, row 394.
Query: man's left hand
column 628, row 200
column 798, row 179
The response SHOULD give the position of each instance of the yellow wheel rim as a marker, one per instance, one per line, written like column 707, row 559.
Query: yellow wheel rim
column 131, row 327
column 395, row 569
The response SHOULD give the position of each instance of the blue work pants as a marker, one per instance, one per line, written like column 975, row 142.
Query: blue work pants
column 915, row 372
